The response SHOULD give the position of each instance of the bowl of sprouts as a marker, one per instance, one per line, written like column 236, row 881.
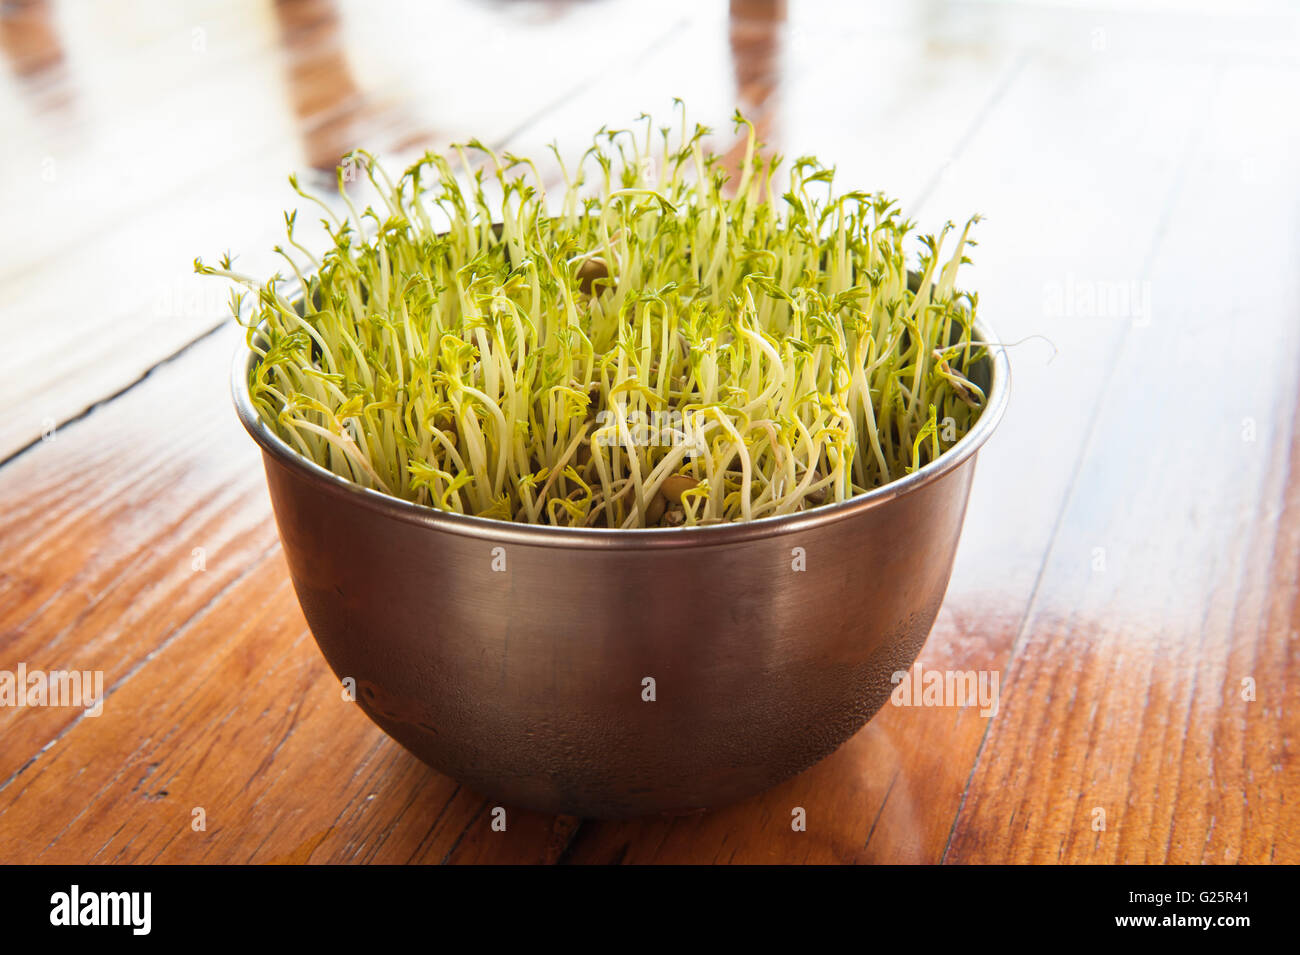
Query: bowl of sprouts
column 619, row 486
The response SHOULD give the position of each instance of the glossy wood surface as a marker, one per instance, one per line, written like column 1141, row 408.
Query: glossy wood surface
column 1130, row 566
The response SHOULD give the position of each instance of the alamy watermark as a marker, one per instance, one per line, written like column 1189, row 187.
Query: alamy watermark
column 921, row 687
column 644, row 429
column 1089, row 298
column 76, row 907
column 78, row 688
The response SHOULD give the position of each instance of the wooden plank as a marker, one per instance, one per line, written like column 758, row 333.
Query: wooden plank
column 1175, row 574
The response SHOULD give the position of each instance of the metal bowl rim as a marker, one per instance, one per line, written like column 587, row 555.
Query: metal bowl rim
column 544, row 535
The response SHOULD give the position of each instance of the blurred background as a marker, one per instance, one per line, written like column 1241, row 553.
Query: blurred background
column 1130, row 552
column 137, row 136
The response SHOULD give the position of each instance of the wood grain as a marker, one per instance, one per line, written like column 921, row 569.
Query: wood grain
column 1131, row 552
column 1196, row 591
column 216, row 697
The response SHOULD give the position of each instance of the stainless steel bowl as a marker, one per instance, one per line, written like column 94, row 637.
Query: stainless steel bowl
column 769, row 643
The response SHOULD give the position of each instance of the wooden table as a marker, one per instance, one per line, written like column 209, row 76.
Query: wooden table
column 1130, row 566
